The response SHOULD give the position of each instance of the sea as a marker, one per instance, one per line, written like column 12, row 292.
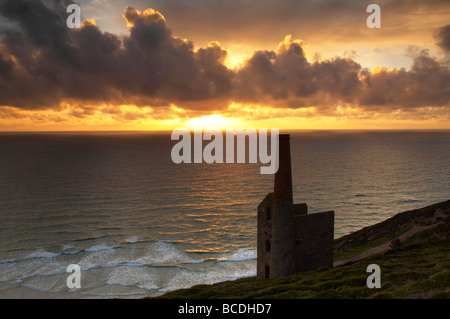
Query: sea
column 139, row 225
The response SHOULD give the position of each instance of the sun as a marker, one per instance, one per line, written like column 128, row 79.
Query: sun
column 235, row 61
column 213, row 122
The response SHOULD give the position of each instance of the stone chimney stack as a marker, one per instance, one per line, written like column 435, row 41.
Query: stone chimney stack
column 283, row 177
column 282, row 226
column 290, row 240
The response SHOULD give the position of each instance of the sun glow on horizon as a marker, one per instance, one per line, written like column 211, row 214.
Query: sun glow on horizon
column 234, row 61
column 213, row 122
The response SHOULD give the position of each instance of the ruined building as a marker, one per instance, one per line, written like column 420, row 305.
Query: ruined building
column 289, row 240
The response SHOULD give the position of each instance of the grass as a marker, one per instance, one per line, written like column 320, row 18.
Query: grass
column 419, row 268
column 402, row 276
column 354, row 251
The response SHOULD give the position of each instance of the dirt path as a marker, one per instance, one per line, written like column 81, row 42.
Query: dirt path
column 382, row 247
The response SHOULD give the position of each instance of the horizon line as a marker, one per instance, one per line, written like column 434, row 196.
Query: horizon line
column 224, row 130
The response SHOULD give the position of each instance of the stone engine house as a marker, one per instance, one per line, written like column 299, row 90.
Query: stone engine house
column 289, row 240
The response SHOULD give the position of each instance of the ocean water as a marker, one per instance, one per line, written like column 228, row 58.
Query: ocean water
column 139, row 225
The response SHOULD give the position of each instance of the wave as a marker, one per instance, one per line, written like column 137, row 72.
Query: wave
column 136, row 277
column 100, row 247
column 89, row 238
column 243, row 254
column 407, row 199
column 41, row 253
column 132, row 240
column 19, row 271
column 33, row 255
column 157, row 267
column 199, row 261
column 163, row 253
column 185, row 278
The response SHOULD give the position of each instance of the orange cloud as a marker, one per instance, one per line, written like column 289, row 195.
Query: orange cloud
column 52, row 74
column 147, row 16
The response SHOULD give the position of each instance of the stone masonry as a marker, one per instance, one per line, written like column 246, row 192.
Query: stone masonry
column 289, row 240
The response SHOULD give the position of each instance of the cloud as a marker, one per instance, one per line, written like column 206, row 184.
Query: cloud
column 285, row 75
column 6, row 65
column 150, row 66
column 443, row 38
column 426, row 84
column 263, row 23
column 44, row 27
column 285, row 78
column 45, row 65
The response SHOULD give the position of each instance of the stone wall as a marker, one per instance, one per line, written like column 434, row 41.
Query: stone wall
column 313, row 243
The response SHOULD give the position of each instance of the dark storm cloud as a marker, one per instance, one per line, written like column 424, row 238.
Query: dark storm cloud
column 426, row 84
column 443, row 38
column 43, row 27
column 148, row 67
column 285, row 78
column 263, row 22
column 6, row 65
column 286, row 74
column 44, row 64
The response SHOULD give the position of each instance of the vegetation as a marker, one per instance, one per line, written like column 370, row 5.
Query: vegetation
column 418, row 268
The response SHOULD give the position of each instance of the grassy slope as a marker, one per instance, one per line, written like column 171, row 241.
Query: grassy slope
column 420, row 268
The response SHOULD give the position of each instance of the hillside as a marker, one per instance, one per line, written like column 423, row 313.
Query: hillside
column 418, row 267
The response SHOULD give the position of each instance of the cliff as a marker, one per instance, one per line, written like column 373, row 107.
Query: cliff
column 412, row 249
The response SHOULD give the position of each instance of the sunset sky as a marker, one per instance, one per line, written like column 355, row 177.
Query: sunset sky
column 165, row 64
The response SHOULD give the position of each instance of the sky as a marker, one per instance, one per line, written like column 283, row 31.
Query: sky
column 216, row 64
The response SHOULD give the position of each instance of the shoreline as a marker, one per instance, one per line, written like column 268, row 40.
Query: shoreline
column 424, row 235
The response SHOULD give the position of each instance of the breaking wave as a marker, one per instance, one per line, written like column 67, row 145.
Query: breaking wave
column 114, row 270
